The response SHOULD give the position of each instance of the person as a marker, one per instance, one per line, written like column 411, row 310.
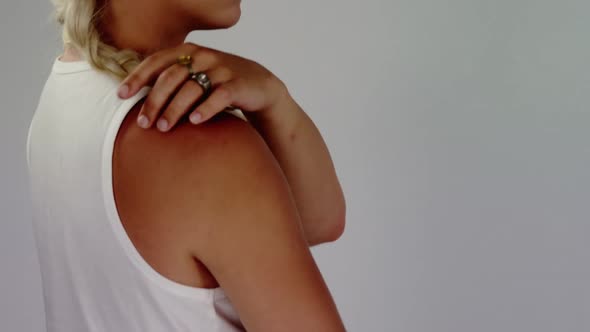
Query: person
column 202, row 221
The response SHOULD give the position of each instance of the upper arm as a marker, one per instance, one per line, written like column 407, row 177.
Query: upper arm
column 220, row 183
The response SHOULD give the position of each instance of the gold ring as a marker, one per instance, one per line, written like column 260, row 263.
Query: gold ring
column 187, row 61
column 184, row 60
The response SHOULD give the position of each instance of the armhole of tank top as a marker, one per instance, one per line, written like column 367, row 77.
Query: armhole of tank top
column 206, row 294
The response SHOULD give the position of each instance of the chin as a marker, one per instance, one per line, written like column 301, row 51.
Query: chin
column 232, row 16
column 236, row 16
column 225, row 19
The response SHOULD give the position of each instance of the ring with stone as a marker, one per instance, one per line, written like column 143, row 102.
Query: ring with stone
column 203, row 80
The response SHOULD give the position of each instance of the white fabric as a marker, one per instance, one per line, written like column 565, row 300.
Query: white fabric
column 93, row 277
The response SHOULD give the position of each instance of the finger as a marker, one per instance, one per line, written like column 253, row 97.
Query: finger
column 188, row 95
column 177, row 109
column 145, row 73
column 166, row 85
column 219, row 99
column 150, row 68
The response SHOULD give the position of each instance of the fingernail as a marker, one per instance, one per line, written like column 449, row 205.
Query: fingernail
column 143, row 121
column 162, row 124
column 195, row 117
column 123, row 90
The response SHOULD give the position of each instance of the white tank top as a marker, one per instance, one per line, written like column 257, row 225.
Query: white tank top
column 93, row 278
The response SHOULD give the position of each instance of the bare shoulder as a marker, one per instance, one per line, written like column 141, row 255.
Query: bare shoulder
column 161, row 171
column 219, row 185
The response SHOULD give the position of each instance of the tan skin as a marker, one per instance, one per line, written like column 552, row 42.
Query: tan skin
column 159, row 32
column 285, row 196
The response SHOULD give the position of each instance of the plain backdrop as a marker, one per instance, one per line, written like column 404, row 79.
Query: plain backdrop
column 460, row 130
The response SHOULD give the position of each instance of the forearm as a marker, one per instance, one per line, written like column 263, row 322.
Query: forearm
column 306, row 162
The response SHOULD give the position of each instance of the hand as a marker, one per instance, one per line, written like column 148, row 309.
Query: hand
column 235, row 81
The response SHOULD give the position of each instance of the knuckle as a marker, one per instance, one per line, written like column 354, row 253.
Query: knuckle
column 152, row 58
column 190, row 46
column 167, row 76
column 224, row 92
column 170, row 110
column 270, row 78
column 205, row 52
column 149, row 105
column 224, row 72
column 181, row 103
column 140, row 77
column 131, row 78
column 176, row 109
column 179, row 71
column 273, row 81
column 239, row 80
column 207, row 55
column 171, row 75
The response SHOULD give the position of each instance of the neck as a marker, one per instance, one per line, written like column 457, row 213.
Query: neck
column 154, row 29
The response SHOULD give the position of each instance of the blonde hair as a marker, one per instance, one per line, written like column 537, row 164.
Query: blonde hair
column 79, row 19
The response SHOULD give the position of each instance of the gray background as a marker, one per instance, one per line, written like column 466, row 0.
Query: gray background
column 459, row 130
